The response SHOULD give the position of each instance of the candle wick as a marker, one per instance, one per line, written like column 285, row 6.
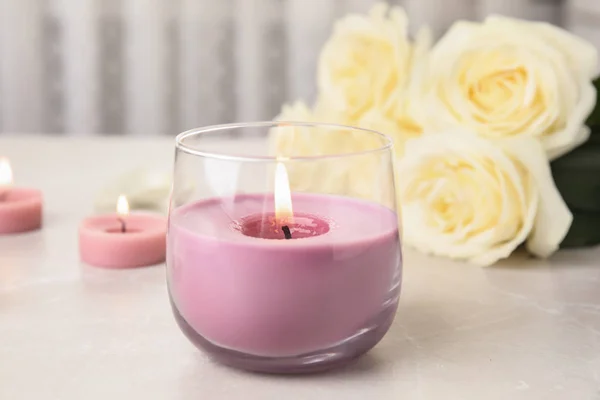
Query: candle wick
column 123, row 225
column 286, row 231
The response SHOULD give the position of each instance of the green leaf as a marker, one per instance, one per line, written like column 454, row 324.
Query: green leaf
column 583, row 158
column 594, row 118
column 577, row 177
column 594, row 136
column 584, row 231
column 583, row 193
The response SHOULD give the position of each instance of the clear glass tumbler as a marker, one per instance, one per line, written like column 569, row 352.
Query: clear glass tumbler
column 283, row 247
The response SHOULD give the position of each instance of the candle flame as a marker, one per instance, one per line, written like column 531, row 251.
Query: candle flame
column 122, row 206
column 6, row 175
column 283, row 195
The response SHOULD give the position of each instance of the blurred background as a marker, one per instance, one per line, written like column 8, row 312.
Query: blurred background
column 153, row 67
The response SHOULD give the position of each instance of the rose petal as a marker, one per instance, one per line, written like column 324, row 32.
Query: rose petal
column 582, row 55
column 553, row 218
column 575, row 133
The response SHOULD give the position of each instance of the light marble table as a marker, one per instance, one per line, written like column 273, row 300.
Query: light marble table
column 526, row 329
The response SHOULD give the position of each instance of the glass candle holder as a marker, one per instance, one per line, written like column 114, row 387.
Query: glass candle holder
column 283, row 255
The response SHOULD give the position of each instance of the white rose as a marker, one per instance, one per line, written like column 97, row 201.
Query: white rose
column 297, row 111
column 398, row 122
column 400, row 128
column 359, row 175
column 469, row 198
column 297, row 140
column 369, row 72
column 505, row 78
column 395, row 120
column 366, row 62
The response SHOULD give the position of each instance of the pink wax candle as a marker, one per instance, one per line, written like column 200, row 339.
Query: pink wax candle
column 20, row 208
column 123, row 240
column 239, row 285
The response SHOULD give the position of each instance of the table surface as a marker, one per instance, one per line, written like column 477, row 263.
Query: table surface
column 524, row 329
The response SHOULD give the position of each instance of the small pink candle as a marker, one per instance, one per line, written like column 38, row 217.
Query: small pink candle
column 20, row 208
column 123, row 240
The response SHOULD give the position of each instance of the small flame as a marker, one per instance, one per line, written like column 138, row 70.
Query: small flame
column 283, row 195
column 122, row 206
column 6, row 175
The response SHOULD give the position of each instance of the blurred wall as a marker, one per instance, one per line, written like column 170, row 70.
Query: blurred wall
column 145, row 67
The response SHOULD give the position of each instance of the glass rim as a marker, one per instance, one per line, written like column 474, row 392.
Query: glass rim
column 387, row 142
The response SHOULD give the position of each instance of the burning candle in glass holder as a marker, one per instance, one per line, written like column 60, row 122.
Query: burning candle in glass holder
column 20, row 208
column 280, row 281
column 123, row 239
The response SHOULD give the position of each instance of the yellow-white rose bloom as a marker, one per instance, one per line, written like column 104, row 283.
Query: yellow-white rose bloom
column 357, row 175
column 396, row 120
column 505, row 78
column 369, row 73
column 301, row 141
column 469, row 198
column 366, row 62
column 297, row 111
